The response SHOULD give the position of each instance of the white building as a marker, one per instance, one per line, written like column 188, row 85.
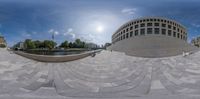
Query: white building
column 91, row 45
column 151, row 37
column 19, row 45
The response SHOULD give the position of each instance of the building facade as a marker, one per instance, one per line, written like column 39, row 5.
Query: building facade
column 2, row 42
column 19, row 46
column 151, row 37
column 91, row 45
column 196, row 41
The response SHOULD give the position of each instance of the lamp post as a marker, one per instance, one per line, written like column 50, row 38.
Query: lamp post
column 53, row 34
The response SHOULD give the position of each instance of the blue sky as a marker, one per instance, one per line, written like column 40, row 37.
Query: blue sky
column 91, row 20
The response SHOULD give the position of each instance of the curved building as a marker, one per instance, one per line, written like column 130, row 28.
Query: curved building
column 151, row 37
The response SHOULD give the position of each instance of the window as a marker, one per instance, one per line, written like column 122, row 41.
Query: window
column 167, row 21
column 158, row 20
column 131, row 28
column 174, row 34
column 174, row 28
column 140, row 21
column 127, row 30
column 156, row 24
column 126, row 35
column 131, row 33
column 164, row 31
column 151, row 19
column 178, row 29
column 147, row 19
column 178, row 35
column 163, row 25
column 169, row 26
column 181, row 36
column 124, row 31
column 142, row 31
column 144, row 20
column 157, row 30
column 136, row 32
column 149, row 24
column 142, row 25
column 123, row 36
column 136, row 26
column 149, row 31
column 169, row 32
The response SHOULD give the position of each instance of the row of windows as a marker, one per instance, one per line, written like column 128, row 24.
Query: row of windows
column 149, row 24
column 150, row 31
column 152, row 20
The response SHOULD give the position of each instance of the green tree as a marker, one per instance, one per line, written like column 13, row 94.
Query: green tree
column 2, row 45
column 38, row 44
column 49, row 44
column 79, row 44
column 65, row 44
column 28, row 44
column 70, row 45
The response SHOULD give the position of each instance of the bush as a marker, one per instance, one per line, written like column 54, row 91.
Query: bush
column 2, row 45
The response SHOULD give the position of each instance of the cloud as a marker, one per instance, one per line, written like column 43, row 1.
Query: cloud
column 196, row 25
column 53, row 31
column 70, row 33
column 26, row 35
column 130, row 11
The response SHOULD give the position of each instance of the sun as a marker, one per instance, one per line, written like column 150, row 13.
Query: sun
column 99, row 28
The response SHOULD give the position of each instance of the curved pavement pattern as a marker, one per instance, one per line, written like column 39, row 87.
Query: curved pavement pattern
column 107, row 75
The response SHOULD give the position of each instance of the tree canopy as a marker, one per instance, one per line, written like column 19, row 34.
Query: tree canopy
column 76, row 44
column 29, row 44
column 50, row 44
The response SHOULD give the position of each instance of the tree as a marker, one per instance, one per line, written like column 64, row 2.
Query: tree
column 2, row 45
column 49, row 44
column 38, row 44
column 70, row 45
column 65, row 44
column 79, row 44
column 28, row 44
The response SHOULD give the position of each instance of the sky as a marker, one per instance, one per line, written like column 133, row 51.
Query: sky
column 90, row 20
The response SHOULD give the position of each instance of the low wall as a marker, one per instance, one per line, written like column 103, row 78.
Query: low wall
column 56, row 58
column 153, row 46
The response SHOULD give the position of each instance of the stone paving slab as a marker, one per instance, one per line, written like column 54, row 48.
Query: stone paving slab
column 108, row 75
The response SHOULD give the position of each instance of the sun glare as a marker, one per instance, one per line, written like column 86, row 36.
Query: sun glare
column 99, row 29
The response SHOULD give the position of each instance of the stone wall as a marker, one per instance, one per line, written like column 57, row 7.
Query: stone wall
column 56, row 58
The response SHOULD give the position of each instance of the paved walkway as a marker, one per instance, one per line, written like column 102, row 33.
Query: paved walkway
column 107, row 75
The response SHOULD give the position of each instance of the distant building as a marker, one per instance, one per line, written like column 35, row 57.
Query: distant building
column 19, row 45
column 2, row 42
column 196, row 41
column 107, row 45
column 91, row 45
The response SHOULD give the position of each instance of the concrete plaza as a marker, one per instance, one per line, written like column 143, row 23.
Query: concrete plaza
column 107, row 75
